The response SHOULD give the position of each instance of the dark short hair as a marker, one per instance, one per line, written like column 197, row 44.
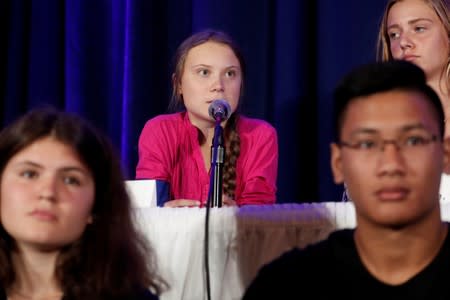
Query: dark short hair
column 381, row 77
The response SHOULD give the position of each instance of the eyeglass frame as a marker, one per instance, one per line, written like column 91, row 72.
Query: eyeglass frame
column 383, row 142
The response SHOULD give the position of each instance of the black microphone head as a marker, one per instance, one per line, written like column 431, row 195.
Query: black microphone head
column 219, row 109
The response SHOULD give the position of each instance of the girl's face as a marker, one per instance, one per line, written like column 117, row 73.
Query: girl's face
column 211, row 71
column 416, row 34
column 46, row 195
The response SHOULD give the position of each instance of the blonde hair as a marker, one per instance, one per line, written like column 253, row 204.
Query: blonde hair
column 442, row 10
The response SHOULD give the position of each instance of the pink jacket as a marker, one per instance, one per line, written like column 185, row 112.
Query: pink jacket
column 169, row 151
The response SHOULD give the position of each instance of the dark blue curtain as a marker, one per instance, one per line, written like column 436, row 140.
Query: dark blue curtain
column 110, row 61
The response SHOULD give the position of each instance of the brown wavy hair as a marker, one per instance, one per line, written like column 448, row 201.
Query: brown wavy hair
column 442, row 10
column 111, row 259
column 231, row 135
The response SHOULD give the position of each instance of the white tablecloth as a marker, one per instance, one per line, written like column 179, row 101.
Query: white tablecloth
column 241, row 241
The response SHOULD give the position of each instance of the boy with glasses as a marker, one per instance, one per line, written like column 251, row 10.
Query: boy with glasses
column 390, row 152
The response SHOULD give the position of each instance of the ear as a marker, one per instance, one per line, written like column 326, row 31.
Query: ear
column 90, row 219
column 446, row 156
column 336, row 163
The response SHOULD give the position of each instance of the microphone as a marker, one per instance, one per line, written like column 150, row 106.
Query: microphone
column 219, row 110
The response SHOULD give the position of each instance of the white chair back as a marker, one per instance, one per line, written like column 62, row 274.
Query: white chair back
column 142, row 192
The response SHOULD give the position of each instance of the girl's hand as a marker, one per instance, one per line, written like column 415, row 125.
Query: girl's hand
column 227, row 201
column 182, row 203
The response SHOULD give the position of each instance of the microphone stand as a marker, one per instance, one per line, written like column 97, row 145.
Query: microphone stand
column 217, row 160
column 215, row 191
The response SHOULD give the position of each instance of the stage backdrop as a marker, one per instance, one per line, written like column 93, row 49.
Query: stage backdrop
column 110, row 61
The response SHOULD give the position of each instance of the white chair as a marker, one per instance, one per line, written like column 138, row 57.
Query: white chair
column 142, row 192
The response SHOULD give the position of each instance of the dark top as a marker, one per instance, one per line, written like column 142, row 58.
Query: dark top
column 332, row 269
column 144, row 294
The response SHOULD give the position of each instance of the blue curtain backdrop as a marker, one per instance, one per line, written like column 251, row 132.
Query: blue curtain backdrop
column 110, row 61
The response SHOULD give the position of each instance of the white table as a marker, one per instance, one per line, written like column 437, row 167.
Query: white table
column 241, row 241
column 445, row 188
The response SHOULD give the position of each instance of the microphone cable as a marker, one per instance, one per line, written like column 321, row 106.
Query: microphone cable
column 206, row 245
